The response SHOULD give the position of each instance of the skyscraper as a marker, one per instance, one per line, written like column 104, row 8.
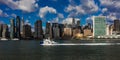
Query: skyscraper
column 27, row 31
column 56, row 31
column 73, row 22
column 38, row 30
column 117, row 26
column 1, row 29
column 61, row 27
column 99, row 26
column 12, row 28
column 22, row 24
column 5, row 33
column 48, row 31
column 18, row 27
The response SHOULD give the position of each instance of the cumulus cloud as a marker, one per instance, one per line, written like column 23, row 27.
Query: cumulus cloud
column 69, row 20
column 86, row 7
column 3, row 14
column 13, row 15
column 111, row 16
column 104, row 10
column 111, row 7
column 60, row 15
column 44, row 10
column 24, row 5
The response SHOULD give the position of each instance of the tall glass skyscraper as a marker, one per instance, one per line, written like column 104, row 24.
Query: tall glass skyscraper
column 12, row 28
column 99, row 26
column 18, row 27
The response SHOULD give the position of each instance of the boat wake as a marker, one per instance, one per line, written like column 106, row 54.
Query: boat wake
column 84, row 44
column 51, row 42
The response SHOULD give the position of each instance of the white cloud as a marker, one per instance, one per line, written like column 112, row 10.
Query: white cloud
column 3, row 14
column 104, row 10
column 24, row 5
column 112, row 8
column 69, row 20
column 13, row 15
column 111, row 16
column 69, row 8
column 43, row 11
column 86, row 7
column 60, row 15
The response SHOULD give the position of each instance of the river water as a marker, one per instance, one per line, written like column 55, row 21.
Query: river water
column 32, row 50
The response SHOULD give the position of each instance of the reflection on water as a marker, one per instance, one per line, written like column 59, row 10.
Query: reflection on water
column 31, row 50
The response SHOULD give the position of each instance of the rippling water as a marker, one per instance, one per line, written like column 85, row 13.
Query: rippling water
column 31, row 50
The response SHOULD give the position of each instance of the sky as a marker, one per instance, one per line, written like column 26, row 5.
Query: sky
column 59, row 10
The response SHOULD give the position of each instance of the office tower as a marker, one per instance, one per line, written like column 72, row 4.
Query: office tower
column 27, row 31
column 38, row 30
column 12, row 28
column 73, row 22
column 67, row 34
column 1, row 29
column 22, row 24
column 117, row 26
column 56, row 31
column 48, row 31
column 61, row 27
column 99, row 26
column 18, row 22
column 5, row 31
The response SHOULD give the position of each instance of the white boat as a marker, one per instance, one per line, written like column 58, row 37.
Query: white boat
column 4, row 39
column 48, row 42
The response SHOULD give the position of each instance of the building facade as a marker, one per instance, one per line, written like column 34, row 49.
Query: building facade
column 22, row 24
column 117, row 26
column 12, row 28
column 18, row 23
column 1, row 29
column 67, row 34
column 38, row 30
column 5, row 33
column 48, row 31
column 27, row 33
column 56, row 30
column 99, row 26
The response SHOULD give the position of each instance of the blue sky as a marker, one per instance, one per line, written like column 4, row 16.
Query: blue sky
column 58, row 10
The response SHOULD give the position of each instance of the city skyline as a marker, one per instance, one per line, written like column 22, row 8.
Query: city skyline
column 58, row 10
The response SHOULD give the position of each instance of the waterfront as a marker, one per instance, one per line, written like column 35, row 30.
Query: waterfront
column 31, row 50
